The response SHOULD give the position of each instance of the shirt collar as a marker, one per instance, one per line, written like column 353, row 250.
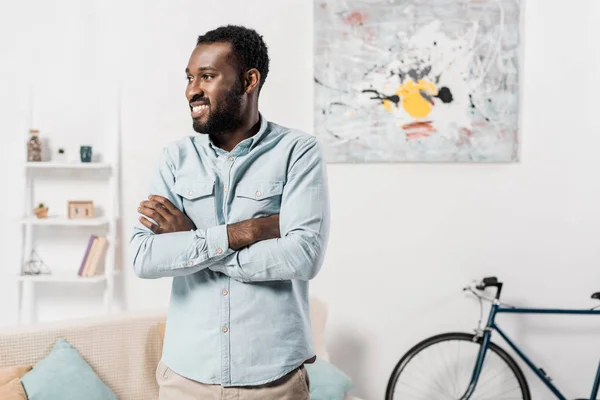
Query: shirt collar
column 262, row 131
column 249, row 143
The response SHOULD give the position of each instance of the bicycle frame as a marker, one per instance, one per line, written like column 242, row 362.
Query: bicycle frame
column 492, row 326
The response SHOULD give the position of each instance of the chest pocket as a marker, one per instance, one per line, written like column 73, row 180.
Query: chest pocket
column 198, row 201
column 259, row 199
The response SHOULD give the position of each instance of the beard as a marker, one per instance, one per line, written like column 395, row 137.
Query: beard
column 224, row 118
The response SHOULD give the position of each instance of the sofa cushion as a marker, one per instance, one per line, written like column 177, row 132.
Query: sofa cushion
column 9, row 373
column 12, row 390
column 327, row 382
column 64, row 374
column 162, row 326
column 318, row 321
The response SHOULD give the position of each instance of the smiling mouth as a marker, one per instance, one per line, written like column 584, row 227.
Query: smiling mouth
column 199, row 110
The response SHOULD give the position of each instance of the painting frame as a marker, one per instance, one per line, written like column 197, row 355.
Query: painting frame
column 490, row 138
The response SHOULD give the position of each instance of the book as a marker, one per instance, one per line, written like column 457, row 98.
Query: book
column 90, row 255
column 86, row 254
column 96, row 256
column 102, row 260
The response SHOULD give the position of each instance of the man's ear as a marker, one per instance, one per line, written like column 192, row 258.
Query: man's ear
column 251, row 80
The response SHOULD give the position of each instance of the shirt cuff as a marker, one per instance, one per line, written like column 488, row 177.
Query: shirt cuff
column 217, row 241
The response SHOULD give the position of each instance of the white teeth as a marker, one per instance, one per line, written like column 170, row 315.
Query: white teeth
column 198, row 108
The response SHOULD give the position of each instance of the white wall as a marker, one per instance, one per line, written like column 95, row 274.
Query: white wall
column 405, row 237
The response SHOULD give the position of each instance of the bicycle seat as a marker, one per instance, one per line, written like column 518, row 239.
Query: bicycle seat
column 596, row 296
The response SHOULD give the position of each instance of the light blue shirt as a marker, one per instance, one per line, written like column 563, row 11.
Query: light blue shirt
column 238, row 318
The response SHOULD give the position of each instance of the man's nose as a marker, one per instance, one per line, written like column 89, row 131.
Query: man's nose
column 193, row 90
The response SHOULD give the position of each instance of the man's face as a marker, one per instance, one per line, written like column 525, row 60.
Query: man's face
column 214, row 89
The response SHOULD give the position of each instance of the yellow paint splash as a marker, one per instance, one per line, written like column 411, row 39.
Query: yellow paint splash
column 412, row 100
column 387, row 105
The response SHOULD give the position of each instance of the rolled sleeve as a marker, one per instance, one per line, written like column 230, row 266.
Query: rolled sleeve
column 217, row 241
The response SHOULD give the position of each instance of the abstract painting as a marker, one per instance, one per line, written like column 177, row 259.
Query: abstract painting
column 417, row 80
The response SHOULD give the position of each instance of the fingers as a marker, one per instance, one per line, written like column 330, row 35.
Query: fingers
column 168, row 218
column 148, row 224
column 166, row 203
column 153, row 210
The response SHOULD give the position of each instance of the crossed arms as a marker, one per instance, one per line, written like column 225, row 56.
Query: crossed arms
column 287, row 246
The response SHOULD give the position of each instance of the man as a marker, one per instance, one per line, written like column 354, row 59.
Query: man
column 239, row 217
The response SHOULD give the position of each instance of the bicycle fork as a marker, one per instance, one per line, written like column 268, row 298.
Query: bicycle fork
column 596, row 385
column 485, row 343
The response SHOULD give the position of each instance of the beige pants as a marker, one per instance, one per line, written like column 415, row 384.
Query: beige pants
column 293, row 386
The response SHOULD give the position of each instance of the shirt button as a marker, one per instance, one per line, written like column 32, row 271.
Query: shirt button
column 224, row 292
column 190, row 263
column 230, row 159
column 225, row 190
column 219, row 250
column 191, row 192
column 258, row 193
column 224, row 329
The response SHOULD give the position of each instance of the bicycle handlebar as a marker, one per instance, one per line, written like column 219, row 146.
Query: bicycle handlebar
column 490, row 281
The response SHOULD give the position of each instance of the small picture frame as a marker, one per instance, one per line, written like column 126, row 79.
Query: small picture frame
column 80, row 209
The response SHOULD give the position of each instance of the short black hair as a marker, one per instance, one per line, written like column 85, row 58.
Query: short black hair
column 247, row 45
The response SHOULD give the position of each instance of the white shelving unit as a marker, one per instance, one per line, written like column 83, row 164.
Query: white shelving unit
column 27, row 283
column 107, row 222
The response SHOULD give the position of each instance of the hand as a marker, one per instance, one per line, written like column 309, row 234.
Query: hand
column 168, row 217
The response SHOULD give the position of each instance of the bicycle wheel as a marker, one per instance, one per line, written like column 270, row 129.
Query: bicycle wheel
column 440, row 368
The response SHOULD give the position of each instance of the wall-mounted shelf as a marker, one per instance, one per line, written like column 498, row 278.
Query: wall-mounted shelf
column 62, row 276
column 64, row 221
column 73, row 165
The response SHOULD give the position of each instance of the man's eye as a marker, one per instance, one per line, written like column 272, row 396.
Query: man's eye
column 207, row 76
column 188, row 78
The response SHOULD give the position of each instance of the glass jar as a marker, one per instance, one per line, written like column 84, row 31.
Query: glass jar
column 34, row 146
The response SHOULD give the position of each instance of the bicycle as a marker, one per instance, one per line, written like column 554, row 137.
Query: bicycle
column 445, row 371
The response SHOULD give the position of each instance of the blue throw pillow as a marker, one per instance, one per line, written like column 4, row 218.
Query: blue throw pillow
column 327, row 382
column 64, row 375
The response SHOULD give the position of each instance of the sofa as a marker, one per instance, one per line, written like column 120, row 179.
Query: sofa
column 123, row 349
